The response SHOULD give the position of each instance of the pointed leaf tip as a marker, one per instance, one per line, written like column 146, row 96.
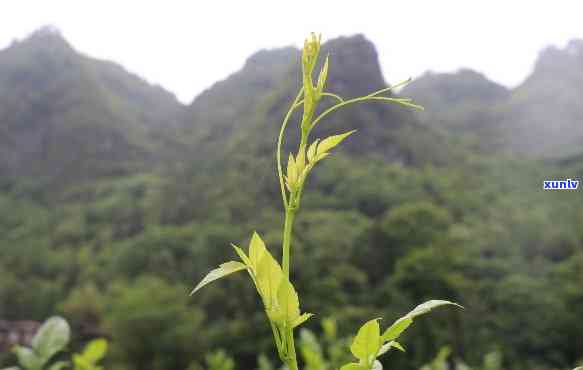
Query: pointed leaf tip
column 303, row 318
column 257, row 250
column 424, row 308
column 330, row 142
column 223, row 270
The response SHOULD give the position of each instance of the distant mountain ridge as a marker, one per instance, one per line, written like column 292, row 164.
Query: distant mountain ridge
column 540, row 118
column 244, row 111
column 66, row 117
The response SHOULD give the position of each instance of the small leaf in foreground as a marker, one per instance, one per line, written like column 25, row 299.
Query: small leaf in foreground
column 52, row 337
column 28, row 358
column 95, row 350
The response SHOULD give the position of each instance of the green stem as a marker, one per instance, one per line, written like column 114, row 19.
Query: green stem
column 276, row 337
column 280, row 142
column 292, row 362
column 290, row 213
column 371, row 98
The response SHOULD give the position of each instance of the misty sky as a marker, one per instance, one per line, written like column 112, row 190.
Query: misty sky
column 186, row 46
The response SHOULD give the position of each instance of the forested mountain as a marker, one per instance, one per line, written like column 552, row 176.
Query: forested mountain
column 243, row 112
column 539, row 118
column 115, row 198
column 66, row 117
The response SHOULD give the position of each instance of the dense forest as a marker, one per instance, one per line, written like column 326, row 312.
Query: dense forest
column 115, row 199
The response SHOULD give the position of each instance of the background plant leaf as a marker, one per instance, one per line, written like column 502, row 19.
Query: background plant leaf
column 52, row 337
column 27, row 358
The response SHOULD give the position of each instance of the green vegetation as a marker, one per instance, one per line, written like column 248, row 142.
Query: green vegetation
column 51, row 339
column 404, row 213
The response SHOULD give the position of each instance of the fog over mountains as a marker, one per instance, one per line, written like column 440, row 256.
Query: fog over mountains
column 539, row 118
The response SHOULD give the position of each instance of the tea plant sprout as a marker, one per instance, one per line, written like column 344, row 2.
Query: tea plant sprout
column 271, row 279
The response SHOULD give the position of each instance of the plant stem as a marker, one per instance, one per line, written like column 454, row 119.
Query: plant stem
column 276, row 337
column 290, row 213
column 292, row 362
column 280, row 142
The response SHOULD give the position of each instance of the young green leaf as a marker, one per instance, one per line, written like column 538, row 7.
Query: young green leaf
column 390, row 345
column 399, row 326
column 256, row 250
column 321, row 156
column 312, row 151
column 367, row 342
column 81, row 363
column 291, row 173
column 322, row 77
column 303, row 318
column 269, row 277
column 330, row 142
column 424, row 308
column 301, row 161
column 289, row 302
column 223, row 270
column 52, row 337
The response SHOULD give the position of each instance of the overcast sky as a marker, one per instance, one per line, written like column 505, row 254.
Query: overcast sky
column 185, row 46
